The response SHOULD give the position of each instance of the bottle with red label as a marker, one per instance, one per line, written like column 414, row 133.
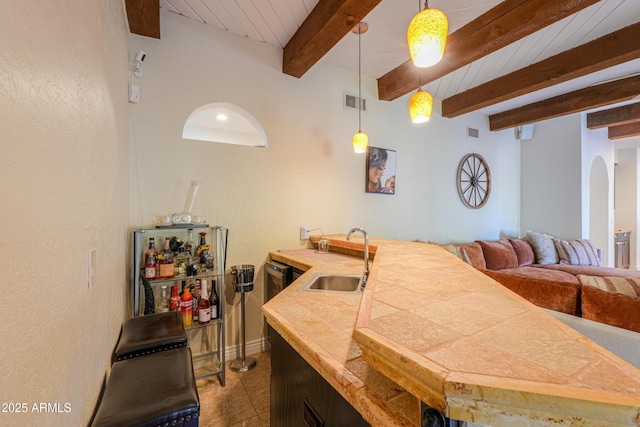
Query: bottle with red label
column 204, row 309
column 151, row 261
column 174, row 301
column 186, row 306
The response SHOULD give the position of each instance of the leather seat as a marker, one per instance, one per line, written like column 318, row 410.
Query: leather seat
column 150, row 334
column 155, row 390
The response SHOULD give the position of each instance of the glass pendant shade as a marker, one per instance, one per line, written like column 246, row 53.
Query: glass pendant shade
column 427, row 37
column 420, row 106
column 360, row 142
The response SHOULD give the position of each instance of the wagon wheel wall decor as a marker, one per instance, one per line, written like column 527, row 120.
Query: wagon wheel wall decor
column 474, row 181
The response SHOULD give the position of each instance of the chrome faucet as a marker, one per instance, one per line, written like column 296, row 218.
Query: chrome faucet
column 365, row 273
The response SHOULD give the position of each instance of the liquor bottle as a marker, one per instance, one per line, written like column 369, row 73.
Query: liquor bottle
column 180, row 263
column 186, row 306
column 204, row 306
column 165, row 258
column 174, row 302
column 194, row 288
column 187, row 259
column 163, row 304
column 203, row 252
column 151, row 261
column 215, row 301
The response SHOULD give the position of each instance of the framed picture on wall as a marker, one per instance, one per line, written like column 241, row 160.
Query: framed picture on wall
column 380, row 173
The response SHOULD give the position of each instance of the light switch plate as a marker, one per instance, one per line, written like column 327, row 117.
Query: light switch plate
column 92, row 267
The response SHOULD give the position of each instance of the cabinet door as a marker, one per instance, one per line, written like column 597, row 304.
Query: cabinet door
column 300, row 396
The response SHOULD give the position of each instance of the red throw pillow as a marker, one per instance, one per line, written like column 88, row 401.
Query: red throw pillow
column 472, row 254
column 523, row 251
column 498, row 254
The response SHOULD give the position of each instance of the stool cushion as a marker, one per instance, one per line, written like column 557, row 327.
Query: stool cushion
column 154, row 390
column 150, row 334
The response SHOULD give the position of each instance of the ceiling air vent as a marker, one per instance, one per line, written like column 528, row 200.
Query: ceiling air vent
column 473, row 133
column 351, row 101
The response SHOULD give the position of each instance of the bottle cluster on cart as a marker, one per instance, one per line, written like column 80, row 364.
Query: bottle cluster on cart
column 177, row 260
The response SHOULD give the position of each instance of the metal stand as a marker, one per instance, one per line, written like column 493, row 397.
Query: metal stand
column 243, row 282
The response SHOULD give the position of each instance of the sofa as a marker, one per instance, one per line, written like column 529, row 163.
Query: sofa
column 559, row 275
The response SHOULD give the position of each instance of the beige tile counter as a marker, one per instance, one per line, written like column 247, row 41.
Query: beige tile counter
column 455, row 339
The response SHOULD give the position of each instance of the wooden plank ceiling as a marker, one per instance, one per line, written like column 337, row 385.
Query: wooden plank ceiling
column 518, row 61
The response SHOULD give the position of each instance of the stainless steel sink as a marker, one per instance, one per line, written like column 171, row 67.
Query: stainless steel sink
column 334, row 283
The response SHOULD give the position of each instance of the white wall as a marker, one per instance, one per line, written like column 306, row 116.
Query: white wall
column 309, row 174
column 551, row 179
column 64, row 166
column 627, row 209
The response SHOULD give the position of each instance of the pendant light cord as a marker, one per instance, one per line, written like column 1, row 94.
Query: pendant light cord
column 359, row 78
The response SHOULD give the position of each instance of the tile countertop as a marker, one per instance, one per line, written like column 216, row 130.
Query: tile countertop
column 452, row 337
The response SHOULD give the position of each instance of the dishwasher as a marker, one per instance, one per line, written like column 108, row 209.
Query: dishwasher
column 277, row 276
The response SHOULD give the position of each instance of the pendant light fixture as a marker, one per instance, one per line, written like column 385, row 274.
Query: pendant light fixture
column 360, row 139
column 427, row 36
column 420, row 105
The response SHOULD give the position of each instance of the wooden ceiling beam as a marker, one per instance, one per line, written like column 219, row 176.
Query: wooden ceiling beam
column 573, row 102
column 144, row 17
column 624, row 131
column 500, row 26
column 614, row 116
column 325, row 26
column 613, row 49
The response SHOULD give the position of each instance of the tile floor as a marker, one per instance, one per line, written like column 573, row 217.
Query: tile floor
column 243, row 402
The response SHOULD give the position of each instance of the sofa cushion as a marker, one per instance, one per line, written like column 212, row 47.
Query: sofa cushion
column 545, row 292
column 498, row 254
column 577, row 252
column 622, row 285
column 589, row 270
column 611, row 308
column 543, row 247
column 523, row 251
column 472, row 254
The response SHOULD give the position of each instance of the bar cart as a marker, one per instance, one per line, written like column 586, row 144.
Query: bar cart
column 207, row 342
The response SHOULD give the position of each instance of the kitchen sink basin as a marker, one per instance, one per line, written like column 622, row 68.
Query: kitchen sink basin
column 334, row 283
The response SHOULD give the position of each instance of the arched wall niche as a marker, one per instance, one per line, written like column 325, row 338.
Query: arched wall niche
column 225, row 123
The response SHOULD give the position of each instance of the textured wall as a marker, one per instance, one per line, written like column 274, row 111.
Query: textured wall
column 309, row 174
column 64, row 167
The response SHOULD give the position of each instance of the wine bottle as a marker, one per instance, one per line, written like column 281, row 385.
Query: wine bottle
column 166, row 265
column 215, row 301
column 194, row 288
column 186, row 306
column 204, row 306
column 151, row 261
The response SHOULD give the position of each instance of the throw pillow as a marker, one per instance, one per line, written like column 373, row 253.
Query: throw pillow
column 498, row 254
column 472, row 254
column 543, row 247
column 451, row 249
column 523, row 251
column 622, row 285
column 611, row 308
column 577, row 252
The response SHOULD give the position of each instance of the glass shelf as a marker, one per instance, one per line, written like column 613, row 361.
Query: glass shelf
column 213, row 273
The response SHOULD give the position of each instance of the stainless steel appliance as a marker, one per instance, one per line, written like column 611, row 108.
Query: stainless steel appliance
column 277, row 276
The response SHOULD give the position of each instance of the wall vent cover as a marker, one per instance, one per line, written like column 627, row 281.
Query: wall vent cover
column 351, row 101
column 473, row 133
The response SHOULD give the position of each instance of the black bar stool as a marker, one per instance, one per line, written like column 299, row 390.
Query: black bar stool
column 155, row 390
column 150, row 334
